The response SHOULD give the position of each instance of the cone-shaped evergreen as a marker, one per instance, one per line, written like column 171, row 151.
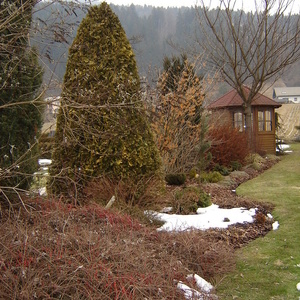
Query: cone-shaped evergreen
column 101, row 126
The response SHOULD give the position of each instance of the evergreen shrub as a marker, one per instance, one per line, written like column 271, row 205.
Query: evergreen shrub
column 211, row 177
column 20, row 109
column 235, row 166
column 189, row 199
column 221, row 169
column 175, row 179
column 102, row 128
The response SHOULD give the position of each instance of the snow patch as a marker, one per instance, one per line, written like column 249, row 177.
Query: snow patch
column 208, row 217
column 201, row 283
column 275, row 225
column 188, row 292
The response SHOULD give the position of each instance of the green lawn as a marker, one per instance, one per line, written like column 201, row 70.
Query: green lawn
column 269, row 267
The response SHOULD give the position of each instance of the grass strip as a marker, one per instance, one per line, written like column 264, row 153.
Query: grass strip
column 269, row 267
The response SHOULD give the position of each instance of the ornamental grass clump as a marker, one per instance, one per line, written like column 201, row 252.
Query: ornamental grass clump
column 101, row 127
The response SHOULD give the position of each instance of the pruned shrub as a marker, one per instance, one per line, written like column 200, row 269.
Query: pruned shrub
column 211, row 177
column 228, row 145
column 58, row 251
column 175, row 179
column 189, row 199
column 102, row 128
column 208, row 254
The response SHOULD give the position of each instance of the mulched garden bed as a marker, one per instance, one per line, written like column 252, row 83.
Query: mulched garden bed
column 224, row 195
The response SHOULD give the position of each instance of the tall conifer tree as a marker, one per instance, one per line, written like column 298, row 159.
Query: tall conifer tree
column 20, row 80
column 101, row 126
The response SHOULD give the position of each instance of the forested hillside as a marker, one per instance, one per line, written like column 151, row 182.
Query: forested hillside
column 154, row 32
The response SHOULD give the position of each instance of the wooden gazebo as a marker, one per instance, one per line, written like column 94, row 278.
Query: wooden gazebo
column 230, row 106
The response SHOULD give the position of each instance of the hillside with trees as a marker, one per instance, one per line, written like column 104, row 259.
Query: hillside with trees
column 154, row 33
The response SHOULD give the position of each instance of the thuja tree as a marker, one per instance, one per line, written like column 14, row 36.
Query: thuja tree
column 20, row 112
column 101, row 126
column 179, row 123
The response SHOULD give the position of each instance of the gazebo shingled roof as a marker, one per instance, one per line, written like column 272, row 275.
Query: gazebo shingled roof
column 233, row 99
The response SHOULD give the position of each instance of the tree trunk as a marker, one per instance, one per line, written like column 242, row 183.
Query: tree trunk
column 249, row 126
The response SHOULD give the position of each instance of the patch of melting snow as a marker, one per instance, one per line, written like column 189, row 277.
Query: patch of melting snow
column 208, row 217
column 43, row 191
column 202, row 285
column 188, row 292
column 275, row 225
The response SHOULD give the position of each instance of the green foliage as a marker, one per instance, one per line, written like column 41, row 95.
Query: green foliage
column 20, row 111
column 101, row 126
column 221, row 169
column 173, row 68
column 189, row 199
column 212, row 177
column 175, row 179
column 193, row 173
column 235, row 166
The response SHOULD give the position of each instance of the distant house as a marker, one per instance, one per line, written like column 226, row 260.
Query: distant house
column 286, row 94
column 230, row 107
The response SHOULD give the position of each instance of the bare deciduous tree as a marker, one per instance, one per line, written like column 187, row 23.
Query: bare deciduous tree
column 250, row 48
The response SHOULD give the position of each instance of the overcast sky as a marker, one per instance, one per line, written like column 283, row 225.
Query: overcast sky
column 248, row 4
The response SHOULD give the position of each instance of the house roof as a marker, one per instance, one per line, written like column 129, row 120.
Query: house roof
column 233, row 99
column 286, row 91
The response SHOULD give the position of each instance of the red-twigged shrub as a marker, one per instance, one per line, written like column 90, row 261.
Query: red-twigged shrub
column 228, row 144
column 57, row 251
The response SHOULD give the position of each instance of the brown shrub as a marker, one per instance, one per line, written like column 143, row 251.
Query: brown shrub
column 202, row 252
column 57, row 251
column 132, row 197
column 228, row 144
